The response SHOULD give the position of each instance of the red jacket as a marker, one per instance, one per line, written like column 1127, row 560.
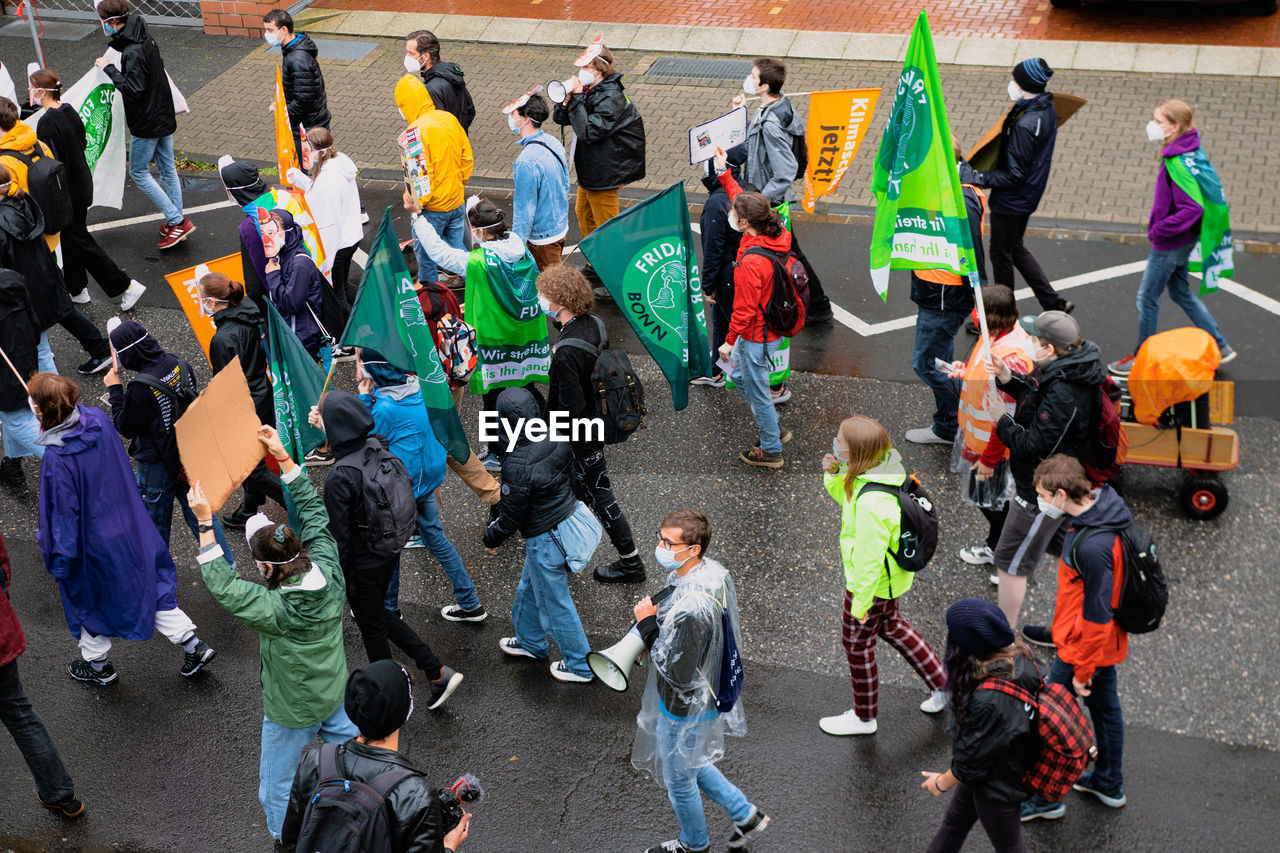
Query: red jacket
column 752, row 279
column 12, row 641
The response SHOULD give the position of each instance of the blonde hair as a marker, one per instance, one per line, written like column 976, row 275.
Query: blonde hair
column 868, row 444
column 1180, row 115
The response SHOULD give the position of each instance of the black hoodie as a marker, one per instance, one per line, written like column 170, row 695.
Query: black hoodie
column 449, row 92
column 142, row 82
column 348, row 425
column 239, row 333
column 143, row 414
column 18, row 338
column 303, row 83
column 537, row 481
column 24, row 250
column 1057, row 413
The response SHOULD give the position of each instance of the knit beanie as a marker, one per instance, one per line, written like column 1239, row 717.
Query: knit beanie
column 1032, row 75
column 978, row 626
column 379, row 698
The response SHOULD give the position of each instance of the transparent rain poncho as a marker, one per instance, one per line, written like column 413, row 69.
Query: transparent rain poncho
column 684, row 671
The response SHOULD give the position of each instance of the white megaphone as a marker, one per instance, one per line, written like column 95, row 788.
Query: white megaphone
column 613, row 664
column 558, row 90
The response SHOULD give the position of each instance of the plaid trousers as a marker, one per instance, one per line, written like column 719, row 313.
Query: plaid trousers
column 860, row 647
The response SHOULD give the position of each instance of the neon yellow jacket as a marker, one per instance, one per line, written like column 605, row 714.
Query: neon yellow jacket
column 449, row 160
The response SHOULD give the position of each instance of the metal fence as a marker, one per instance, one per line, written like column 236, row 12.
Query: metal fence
column 173, row 12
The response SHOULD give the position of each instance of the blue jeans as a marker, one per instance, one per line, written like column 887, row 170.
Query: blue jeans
column 1103, row 703
column 451, row 225
column 44, row 355
column 751, row 375
column 282, row 750
column 169, row 199
column 158, row 493
column 935, row 338
column 685, row 785
column 432, row 533
column 21, row 428
column 544, row 606
column 1169, row 270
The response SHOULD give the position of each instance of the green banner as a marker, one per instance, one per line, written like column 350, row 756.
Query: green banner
column 512, row 345
column 387, row 317
column 1195, row 176
column 296, row 383
column 921, row 221
column 779, row 366
column 645, row 257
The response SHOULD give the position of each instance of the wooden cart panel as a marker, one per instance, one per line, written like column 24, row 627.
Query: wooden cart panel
column 1213, row 449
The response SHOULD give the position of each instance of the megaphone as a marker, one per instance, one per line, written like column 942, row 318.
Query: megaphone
column 613, row 665
column 558, row 91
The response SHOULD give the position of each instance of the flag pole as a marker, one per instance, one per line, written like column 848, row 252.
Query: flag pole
column 15, row 370
column 333, row 365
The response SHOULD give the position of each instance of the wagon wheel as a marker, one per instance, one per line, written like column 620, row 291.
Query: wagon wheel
column 1204, row 497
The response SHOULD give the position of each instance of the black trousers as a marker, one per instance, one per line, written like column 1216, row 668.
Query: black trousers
column 819, row 302
column 1002, row 821
column 341, row 272
column 379, row 627
column 1008, row 252
column 82, row 329
column 995, row 523
column 81, row 254
column 260, row 485
column 592, row 486
column 32, row 738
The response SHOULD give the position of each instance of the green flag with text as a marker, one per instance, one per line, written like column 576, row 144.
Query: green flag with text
column 296, row 383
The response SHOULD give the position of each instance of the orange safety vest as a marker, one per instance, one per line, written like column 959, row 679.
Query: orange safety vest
column 950, row 278
column 1016, row 349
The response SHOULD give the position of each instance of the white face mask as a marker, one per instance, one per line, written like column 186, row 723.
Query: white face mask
column 411, row 65
column 749, row 86
column 668, row 559
column 31, row 404
column 1044, row 354
column 545, row 304
column 1015, row 91
column 586, row 77
column 1049, row 509
column 511, row 123
column 35, row 96
column 733, row 221
column 1155, row 133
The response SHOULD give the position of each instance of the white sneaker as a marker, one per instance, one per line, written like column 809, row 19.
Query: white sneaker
column 511, row 646
column 848, row 723
column 560, row 672
column 995, row 579
column 131, row 295
column 936, row 702
column 81, row 298
column 926, row 435
column 977, row 555
column 414, row 541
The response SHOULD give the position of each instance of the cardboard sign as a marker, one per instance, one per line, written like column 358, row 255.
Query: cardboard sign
column 983, row 155
column 183, row 284
column 723, row 131
column 218, row 436
column 413, row 159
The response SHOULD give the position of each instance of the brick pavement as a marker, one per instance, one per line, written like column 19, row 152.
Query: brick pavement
column 1103, row 168
column 1166, row 23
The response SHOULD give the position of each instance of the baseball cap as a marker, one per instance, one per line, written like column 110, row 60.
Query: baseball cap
column 1057, row 327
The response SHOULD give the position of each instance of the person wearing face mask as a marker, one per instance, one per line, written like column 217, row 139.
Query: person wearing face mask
column 449, row 164
column 609, row 140
column 148, row 110
column 680, row 731
column 333, row 198
column 293, row 282
column 300, row 74
column 297, row 615
column 870, row 521
column 1089, row 643
column 115, row 575
column 19, row 341
column 719, row 252
column 540, row 203
column 244, row 186
column 1057, row 410
column 1177, row 225
column 444, row 80
column 565, row 296
column 1019, row 178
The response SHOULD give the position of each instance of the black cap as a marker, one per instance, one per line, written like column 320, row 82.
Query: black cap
column 379, row 698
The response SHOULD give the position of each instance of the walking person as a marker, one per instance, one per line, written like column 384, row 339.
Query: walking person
column 1018, row 181
column 54, row 787
column 62, row 130
column 444, row 80
column 680, row 729
column 293, row 282
column 297, row 614
column 565, row 296
column 719, row 259
column 19, row 341
column 329, row 185
column 116, row 577
column 349, row 428
column 1189, row 211
column 870, row 524
column 540, row 203
column 244, row 186
column 300, row 74
column 148, row 110
column 994, row 739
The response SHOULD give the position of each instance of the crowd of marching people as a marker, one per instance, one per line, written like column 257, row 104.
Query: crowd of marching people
column 1026, row 418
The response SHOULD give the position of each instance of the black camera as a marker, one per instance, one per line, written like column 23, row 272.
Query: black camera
column 455, row 798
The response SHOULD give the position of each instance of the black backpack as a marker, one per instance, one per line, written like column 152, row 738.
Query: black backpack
column 390, row 507
column 784, row 313
column 1144, row 593
column 918, row 531
column 619, row 394
column 180, row 399
column 801, row 152
column 346, row 816
column 49, row 186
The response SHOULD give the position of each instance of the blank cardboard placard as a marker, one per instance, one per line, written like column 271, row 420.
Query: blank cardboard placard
column 218, row 436
column 983, row 155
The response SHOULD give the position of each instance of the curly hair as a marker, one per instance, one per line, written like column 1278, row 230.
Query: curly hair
column 566, row 286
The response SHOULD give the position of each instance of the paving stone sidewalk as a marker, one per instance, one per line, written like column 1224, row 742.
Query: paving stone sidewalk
column 1103, row 168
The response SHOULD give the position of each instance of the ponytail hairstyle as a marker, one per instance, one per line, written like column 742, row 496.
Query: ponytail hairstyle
column 754, row 209
column 868, row 443
column 486, row 218
column 322, row 149
column 217, row 286
column 279, row 547
column 49, row 81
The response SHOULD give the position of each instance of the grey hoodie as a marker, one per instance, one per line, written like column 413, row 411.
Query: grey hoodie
column 771, row 165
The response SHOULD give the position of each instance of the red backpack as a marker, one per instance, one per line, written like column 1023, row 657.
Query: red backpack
column 1066, row 742
column 1106, row 452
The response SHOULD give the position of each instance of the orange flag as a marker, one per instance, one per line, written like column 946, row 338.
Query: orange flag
column 838, row 121
column 286, row 154
column 183, row 284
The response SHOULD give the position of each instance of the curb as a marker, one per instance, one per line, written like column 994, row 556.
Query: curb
column 1183, row 59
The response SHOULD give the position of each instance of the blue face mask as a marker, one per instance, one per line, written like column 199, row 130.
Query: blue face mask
column 545, row 304
column 110, row 30
column 272, row 39
column 668, row 559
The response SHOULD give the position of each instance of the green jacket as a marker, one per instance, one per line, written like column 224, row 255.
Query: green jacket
column 299, row 625
column 869, row 527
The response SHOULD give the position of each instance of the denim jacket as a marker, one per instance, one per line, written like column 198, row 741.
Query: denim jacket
column 541, row 203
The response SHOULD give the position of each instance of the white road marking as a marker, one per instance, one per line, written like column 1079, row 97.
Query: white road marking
column 156, row 217
column 360, row 258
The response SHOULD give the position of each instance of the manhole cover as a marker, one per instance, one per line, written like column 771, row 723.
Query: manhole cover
column 704, row 69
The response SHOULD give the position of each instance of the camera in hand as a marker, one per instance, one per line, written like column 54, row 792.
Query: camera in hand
column 455, row 799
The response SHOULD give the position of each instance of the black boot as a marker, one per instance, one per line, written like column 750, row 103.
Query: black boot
column 238, row 518
column 621, row 570
column 11, row 473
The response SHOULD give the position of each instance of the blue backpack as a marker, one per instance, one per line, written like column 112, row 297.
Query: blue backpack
column 732, row 673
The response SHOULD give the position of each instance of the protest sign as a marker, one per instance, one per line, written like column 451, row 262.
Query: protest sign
column 217, row 435
column 838, row 121
column 723, row 131
column 413, row 160
column 183, row 284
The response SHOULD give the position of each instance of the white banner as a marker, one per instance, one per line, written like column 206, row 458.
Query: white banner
column 6, row 85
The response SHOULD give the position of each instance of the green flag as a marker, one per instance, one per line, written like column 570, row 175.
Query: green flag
column 645, row 257
column 296, row 383
column 512, row 345
column 387, row 317
column 921, row 221
column 1212, row 255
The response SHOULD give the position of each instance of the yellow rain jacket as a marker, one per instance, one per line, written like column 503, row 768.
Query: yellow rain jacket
column 22, row 138
column 448, row 151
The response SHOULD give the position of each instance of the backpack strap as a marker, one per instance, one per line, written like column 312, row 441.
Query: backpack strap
column 385, row 781
column 563, row 165
column 889, row 490
column 1085, row 534
column 1001, row 685
column 578, row 343
column 328, row 764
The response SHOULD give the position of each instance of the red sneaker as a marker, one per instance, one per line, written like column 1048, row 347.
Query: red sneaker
column 175, row 234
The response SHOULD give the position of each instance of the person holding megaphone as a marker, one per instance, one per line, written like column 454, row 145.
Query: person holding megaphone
column 691, row 634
